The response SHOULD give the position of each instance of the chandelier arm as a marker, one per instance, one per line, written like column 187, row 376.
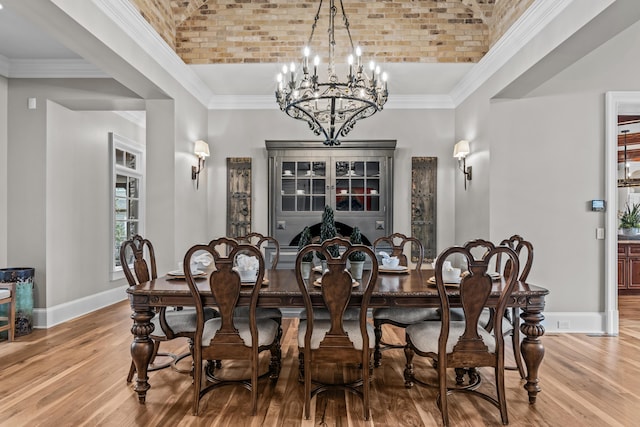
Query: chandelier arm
column 346, row 24
column 314, row 124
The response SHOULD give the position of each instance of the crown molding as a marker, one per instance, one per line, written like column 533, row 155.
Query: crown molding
column 242, row 102
column 419, row 102
column 4, row 66
column 533, row 20
column 131, row 22
column 138, row 118
column 53, row 68
column 268, row 102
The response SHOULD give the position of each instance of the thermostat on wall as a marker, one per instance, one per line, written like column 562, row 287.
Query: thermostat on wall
column 598, row 205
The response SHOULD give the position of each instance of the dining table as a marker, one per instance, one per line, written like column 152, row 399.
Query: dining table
column 409, row 288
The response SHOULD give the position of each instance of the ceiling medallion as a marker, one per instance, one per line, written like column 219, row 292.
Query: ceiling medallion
column 331, row 108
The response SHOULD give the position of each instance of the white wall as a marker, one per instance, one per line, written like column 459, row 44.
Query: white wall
column 546, row 164
column 192, row 215
column 419, row 133
column 4, row 91
column 78, row 201
column 28, row 240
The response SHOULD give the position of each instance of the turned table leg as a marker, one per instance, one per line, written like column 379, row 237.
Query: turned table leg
column 142, row 350
column 531, row 347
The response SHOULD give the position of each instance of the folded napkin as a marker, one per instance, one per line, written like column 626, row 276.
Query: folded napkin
column 246, row 263
column 383, row 254
column 205, row 259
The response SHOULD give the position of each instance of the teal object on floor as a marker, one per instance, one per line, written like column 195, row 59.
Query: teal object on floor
column 23, row 277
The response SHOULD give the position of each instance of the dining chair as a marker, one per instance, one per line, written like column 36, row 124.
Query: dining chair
column 398, row 316
column 229, row 337
column 8, row 298
column 259, row 240
column 524, row 250
column 465, row 345
column 138, row 261
column 336, row 340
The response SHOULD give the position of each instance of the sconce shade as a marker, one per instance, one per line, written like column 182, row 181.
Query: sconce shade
column 201, row 149
column 461, row 149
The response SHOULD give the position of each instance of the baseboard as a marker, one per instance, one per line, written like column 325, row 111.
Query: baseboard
column 554, row 322
column 44, row 318
column 574, row 322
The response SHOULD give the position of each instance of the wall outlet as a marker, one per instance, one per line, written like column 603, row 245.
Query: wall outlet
column 564, row 324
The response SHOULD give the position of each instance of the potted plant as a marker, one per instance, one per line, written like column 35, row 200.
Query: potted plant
column 307, row 259
column 630, row 220
column 356, row 259
column 328, row 231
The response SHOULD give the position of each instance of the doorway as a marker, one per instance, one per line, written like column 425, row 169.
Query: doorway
column 617, row 103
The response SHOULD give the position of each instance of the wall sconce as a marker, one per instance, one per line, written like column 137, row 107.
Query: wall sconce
column 460, row 152
column 201, row 150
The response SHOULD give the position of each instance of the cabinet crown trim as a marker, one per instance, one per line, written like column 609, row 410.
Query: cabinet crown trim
column 379, row 144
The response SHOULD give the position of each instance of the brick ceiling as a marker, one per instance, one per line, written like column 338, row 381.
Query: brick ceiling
column 268, row 31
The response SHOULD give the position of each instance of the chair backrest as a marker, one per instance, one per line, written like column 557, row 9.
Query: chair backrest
column 136, row 251
column 398, row 241
column 337, row 290
column 225, row 286
column 475, row 289
column 259, row 240
column 517, row 243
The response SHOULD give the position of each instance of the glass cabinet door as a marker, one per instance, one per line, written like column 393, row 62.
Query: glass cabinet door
column 357, row 186
column 303, row 186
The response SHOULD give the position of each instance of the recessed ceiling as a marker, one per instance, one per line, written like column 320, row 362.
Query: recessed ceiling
column 21, row 40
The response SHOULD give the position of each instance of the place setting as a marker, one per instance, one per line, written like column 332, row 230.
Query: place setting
column 247, row 267
column 200, row 263
column 452, row 276
column 391, row 264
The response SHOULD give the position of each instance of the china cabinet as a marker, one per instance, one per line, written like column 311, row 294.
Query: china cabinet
column 355, row 179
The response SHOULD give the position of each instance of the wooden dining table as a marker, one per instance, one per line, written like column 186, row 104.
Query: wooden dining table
column 410, row 289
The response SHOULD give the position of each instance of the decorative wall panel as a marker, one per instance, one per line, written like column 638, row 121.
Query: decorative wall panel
column 238, row 196
column 423, row 204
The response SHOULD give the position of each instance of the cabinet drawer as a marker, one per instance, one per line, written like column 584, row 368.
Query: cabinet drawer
column 633, row 249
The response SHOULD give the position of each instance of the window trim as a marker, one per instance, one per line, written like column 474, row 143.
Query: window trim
column 119, row 142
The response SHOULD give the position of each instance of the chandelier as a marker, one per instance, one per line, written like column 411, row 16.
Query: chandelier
column 331, row 108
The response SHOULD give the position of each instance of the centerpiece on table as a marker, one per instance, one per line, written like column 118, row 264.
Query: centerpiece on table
column 328, row 231
column 356, row 259
column 307, row 259
column 630, row 220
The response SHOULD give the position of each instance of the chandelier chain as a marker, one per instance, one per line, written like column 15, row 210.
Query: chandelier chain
column 315, row 23
column 346, row 24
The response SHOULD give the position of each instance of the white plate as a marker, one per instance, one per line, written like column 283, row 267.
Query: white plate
column 398, row 269
column 389, row 268
column 180, row 273
column 432, row 281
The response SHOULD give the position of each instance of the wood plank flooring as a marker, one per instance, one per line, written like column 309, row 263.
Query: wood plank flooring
column 74, row 375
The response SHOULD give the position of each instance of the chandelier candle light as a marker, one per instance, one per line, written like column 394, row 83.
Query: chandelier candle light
column 331, row 108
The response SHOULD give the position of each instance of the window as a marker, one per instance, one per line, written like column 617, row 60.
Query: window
column 127, row 198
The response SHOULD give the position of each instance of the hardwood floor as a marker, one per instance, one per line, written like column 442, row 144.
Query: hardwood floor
column 74, row 374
